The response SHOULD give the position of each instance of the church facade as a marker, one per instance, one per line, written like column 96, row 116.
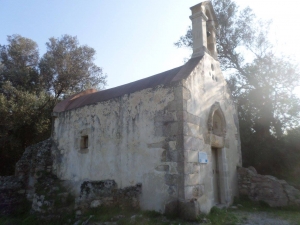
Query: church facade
column 175, row 133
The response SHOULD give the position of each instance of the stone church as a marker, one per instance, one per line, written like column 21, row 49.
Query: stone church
column 175, row 134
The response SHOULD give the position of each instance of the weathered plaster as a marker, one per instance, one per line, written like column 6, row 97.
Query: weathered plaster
column 132, row 139
column 208, row 90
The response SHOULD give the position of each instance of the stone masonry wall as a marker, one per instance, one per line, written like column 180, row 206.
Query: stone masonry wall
column 132, row 139
column 14, row 190
column 275, row 192
column 50, row 196
column 205, row 91
column 35, row 161
column 97, row 193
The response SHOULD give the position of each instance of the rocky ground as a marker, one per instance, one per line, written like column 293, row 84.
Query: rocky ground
column 260, row 218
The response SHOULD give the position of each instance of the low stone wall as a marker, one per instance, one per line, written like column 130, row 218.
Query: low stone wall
column 15, row 190
column 34, row 181
column 267, row 188
column 35, row 160
column 97, row 193
column 50, row 196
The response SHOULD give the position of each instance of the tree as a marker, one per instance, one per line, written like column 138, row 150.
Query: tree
column 18, row 63
column 24, row 120
column 30, row 87
column 261, row 81
column 292, row 154
column 68, row 67
column 234, row 32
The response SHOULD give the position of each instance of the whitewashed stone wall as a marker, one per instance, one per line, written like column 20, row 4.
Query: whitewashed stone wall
column 131, row 139
column 202, row 89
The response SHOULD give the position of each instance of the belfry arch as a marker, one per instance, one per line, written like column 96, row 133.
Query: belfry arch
column 211, row 29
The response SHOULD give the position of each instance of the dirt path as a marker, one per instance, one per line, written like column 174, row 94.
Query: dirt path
column 260, row 218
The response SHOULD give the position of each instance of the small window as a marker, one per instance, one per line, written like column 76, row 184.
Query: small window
column 84, row 142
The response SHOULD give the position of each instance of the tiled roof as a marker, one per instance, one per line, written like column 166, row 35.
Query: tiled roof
column 93, row 96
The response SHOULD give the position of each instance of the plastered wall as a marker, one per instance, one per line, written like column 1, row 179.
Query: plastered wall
column 203, row 89
column 131, row 139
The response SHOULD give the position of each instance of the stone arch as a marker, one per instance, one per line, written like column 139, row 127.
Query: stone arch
column 216, row 121
column 217, row 132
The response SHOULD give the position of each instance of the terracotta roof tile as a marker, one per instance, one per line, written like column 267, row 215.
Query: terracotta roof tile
column 93, row 96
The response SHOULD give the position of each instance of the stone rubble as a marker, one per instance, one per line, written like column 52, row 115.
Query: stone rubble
column 275, row 192
column 48, row 196
column 14, row 190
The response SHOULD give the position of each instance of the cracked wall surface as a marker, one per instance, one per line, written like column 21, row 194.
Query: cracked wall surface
column 205, row 91
column 132, row 139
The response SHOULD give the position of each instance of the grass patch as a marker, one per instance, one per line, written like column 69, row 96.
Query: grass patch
column 124, row 217
column 289, row 213
column 130, row 217
column 24, row 219
column 31, row 219
column 219, row 217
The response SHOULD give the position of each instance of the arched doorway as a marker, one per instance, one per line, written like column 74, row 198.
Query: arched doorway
column 217, row 132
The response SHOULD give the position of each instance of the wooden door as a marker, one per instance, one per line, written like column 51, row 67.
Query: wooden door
column 216, row 175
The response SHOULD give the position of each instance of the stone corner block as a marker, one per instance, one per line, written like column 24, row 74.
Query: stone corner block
column 192, row 179
column 192, row 192
column 191, row 156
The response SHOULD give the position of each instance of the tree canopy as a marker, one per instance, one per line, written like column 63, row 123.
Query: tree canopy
column 67, row 67
column 19, row 63
column 30, row 86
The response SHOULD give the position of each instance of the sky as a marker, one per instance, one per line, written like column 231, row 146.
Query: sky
column 133, row 39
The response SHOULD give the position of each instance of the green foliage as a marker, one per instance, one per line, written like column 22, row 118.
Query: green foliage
column 18, row 63
column 292, row 156
column 21, row 220
column 151, row 214
column 261, row 206
column 24, row 120
column 67, row 67
column 21, row 217
column 125, row 217
column 289, row 213
column 32, row 219
column 219, row 217
column 130, row 217
column 30, row 87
